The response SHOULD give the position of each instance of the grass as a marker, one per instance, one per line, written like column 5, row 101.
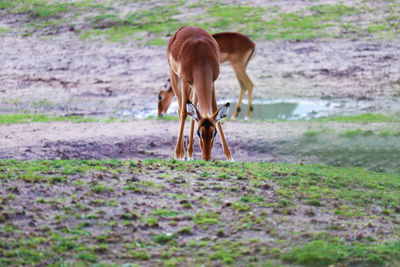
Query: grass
column 366, row 117
column 358, row 132
column 151, row 23
column 79, row 216
column 155, row 20
column 387, row 133
column 13, row 118
column 302, row 25
column 42, row 9
column 362, row 145
column 323, row 253
column 8, row 119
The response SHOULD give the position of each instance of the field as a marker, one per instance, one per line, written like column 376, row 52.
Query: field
column 86, row 170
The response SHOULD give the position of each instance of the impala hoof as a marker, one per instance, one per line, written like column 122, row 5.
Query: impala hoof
column 178, row 158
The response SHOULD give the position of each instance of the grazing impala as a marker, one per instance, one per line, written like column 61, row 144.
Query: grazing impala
column 238, row 50
column 193, row 56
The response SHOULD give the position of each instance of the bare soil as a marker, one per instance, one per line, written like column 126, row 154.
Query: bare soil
column 142, row 139
column 127, row 205
column 65, row 75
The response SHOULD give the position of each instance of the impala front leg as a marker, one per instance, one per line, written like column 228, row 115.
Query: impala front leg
column 180, row 147
column 190, row 146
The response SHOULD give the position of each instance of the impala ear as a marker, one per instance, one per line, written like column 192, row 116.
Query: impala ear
column 192, row 111
column 222, row 112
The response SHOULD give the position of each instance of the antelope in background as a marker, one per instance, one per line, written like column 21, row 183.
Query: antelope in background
column 238, row 50
column 194, row 56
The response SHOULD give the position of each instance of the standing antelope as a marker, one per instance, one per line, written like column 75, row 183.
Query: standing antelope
column 238, row 50
column 193, row 56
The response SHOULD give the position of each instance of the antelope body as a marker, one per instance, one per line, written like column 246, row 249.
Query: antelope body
column 193, row 56
column 238, row 50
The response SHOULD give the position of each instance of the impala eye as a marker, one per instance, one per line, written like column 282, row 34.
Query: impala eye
column 159, row 98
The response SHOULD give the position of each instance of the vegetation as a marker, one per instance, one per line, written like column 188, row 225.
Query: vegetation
column 27, row 118
column 366, row 117
column 367, row 140
column 174, row 213
column 30, row 117
column 69, row 212
column 151, row 23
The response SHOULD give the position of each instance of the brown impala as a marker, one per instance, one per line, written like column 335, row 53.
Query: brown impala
column 193, row 56
column 238, row 50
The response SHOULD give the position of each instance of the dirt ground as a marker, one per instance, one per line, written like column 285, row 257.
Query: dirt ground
column 249, row 141
column 65, row 75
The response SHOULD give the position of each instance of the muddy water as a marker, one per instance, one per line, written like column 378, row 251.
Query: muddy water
column 278, row 109
column 289, row 109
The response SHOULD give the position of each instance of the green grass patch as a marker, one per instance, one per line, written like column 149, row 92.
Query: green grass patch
column 81, row 213
column 163, row 238
column 202, row 218
column 157, row 21
column 323, row 253
column 167, row 118
column 152, row 22
column 389, row 133
column 101, row 188
column 28, row 118
column 358, row 132
column 243, row 18
column 139, row 255
column 165, row 213
column 314, row 22
column 366, row 117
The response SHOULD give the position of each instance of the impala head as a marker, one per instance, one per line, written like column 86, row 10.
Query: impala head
column 165, row 97
column 207, row 126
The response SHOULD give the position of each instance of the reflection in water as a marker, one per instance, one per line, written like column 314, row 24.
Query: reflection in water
column 267, row 111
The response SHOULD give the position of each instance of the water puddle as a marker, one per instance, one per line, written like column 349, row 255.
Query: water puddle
column 290, row 109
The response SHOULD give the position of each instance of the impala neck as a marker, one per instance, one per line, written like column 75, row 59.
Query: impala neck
column 203, row 83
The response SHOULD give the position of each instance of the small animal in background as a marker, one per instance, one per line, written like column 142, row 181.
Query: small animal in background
column 165, row 97
column 193, row 57
column 238, row 50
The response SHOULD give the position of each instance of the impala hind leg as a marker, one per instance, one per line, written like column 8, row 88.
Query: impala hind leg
column 225, row 146
column 249, row 85
column 246, row 84
column 180, row 143
column 190, row 146
column 239, row 72
column 238, row 107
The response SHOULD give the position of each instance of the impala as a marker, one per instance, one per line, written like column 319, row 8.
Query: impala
column 193, row 57
column 238, row 50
